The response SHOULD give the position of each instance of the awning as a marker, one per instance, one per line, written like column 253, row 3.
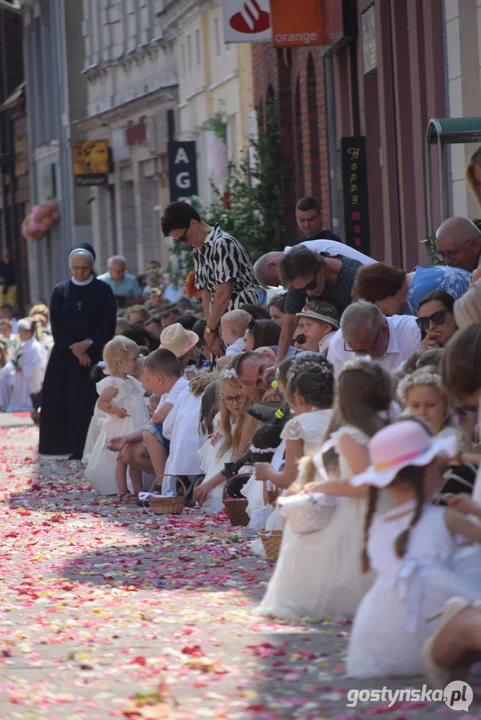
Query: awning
column 14, row 98
column 454, row 130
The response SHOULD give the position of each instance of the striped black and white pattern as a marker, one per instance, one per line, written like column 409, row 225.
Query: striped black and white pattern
column 222, row 259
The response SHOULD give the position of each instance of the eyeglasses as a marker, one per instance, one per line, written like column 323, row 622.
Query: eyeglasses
column 437, row 318
column 181, row 239
column 310, row 286
column 451, row 254
column 365, row 351
column 237, row 400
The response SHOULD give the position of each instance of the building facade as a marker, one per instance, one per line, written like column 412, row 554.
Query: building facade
column 131, row 76
column 215, row 89
column 377, row 84
column 14, row 175
column 463, row 59
column 56, row 98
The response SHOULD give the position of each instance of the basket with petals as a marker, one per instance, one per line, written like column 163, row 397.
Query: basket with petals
column 236, row 508
column 309, row 512
column 271, row 540
column 165, row 504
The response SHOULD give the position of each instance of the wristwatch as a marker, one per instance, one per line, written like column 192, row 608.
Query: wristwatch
column 208, row 330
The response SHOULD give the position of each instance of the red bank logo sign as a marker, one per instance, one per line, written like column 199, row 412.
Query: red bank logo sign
column 247, row 21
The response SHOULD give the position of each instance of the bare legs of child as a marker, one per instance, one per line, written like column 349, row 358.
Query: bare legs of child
column 455, row 645
column 157, row 453
column 121, row 480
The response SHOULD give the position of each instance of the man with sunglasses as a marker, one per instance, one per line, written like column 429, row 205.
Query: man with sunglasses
column 366, row 331
column 458, row 242
column 313, row 276
column 223, row 271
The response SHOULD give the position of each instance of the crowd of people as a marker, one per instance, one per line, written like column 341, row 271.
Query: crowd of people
column 336, row 394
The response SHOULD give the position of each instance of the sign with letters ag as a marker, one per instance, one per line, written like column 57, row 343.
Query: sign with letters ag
column 182, row 169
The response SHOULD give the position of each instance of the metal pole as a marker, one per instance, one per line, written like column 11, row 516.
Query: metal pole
column 442, row 179
column 429, row 183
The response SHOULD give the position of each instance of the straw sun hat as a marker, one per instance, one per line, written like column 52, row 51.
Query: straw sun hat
column 178, row 340
column 399, row 445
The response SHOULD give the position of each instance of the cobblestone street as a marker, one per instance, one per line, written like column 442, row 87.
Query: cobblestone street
column 100, row 603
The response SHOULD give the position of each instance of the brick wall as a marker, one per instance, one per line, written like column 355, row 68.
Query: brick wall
column 295, row 74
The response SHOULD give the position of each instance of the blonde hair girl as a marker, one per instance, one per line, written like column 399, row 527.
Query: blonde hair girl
column 233, row 429
column 424, row 394
column 121, row 398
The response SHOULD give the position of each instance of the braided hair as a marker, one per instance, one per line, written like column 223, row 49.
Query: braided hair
column 313, row 381
column 370, row 512
column 415, row 476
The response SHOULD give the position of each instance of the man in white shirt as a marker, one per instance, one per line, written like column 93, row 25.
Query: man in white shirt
column 364, row 330
column 458, row 241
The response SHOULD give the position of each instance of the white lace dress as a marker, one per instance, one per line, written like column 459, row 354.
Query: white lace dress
column 390, row 626
column 319, row 574
column 211, row 463
column 100, row 471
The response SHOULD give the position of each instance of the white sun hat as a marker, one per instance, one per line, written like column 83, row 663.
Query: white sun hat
column 402, row 444
column 178, row 340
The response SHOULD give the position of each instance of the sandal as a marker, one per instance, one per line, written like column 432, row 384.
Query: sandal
column 124, row 498
column 437, row 676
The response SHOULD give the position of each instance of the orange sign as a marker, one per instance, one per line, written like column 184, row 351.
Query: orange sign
column 296, row 23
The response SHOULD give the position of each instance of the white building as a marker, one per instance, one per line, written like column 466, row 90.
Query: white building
column 215, row 88
column 131, row 76
column 463, row 63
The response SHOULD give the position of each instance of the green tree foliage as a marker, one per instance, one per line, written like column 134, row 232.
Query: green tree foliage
column 255, row 216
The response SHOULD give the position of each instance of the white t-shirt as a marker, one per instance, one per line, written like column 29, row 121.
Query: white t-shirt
column 404, row 339
column 182, row 427
column 172, row 396
column 236, row 347
column 332, row 247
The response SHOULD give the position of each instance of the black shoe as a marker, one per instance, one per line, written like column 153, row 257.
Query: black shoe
column 74, row 457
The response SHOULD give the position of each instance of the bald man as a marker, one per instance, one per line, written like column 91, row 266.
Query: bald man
column 266, row 268
column 458, row 241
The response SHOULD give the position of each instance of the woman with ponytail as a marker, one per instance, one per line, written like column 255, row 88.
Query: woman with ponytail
column 412, row 548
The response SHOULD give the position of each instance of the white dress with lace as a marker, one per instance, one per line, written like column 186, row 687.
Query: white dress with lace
column 308, row 427
column 319, row 574
column 212, row 463
column 390, row 626
column 100, row 471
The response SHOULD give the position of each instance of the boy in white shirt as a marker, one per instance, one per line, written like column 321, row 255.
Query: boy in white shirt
column 234, row 325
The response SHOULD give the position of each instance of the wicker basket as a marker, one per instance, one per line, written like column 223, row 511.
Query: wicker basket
column 235, row 507
column 167, row 505
column 271, row 539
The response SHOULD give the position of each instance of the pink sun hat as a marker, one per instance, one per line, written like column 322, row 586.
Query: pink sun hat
column 178, row 340
column 402, row 444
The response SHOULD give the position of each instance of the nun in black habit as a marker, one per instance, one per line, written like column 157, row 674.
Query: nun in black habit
column 83, row 317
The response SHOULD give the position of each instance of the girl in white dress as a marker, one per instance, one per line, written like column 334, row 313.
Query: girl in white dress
column 412, row 547
column 29, row 368
column 319, row 573
column 232, row 431
column 309, row 392
column 122, row 401
column 7, row 376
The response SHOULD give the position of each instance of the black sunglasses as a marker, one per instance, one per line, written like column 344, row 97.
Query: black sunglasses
column 181, row 239
column 310, row 286
column 437, row 318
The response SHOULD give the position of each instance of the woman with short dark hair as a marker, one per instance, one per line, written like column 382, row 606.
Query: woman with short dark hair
column 396, row 292
column 223, row 271
column 262, row 333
